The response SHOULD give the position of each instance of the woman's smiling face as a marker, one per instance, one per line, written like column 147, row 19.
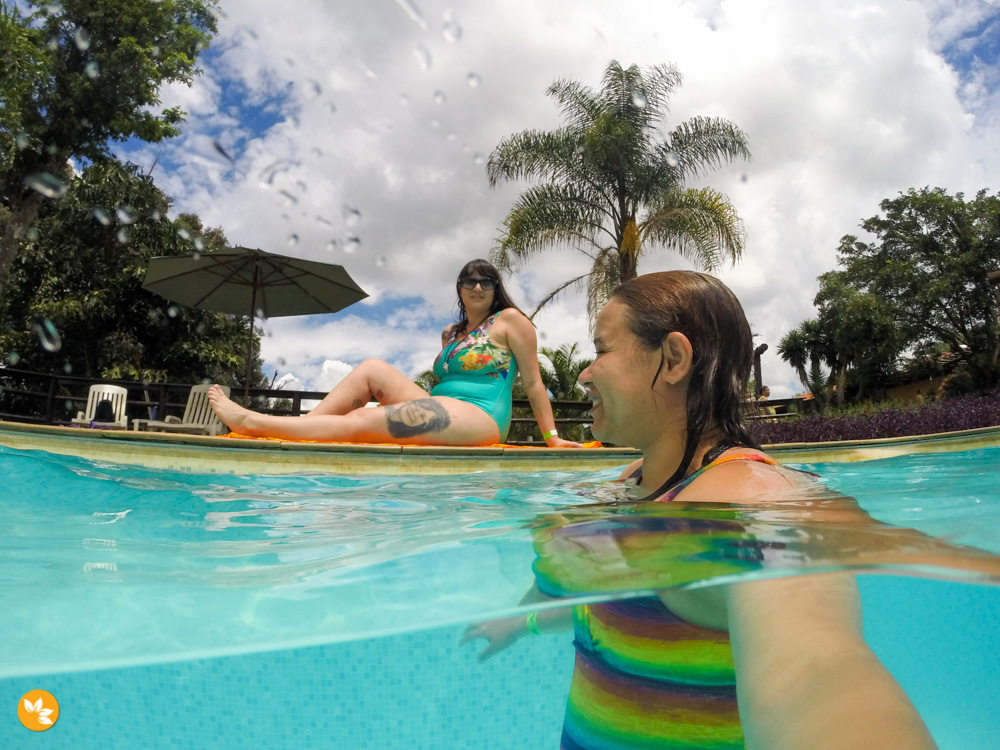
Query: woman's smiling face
column 618, row 381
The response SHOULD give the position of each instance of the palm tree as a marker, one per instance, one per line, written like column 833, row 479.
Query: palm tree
column 562, row 379
column 612, row 182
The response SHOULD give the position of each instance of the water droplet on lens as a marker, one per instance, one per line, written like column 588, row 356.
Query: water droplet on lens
column 281, row 361
column 173, row 311
column 351, row 243
column 744, row 177
column 451, row 31
column 440, row 97
column 196, row 255
column 478, row 157
column 199, row 244
column 672, row 159
column 13, row 358
column 268, row 173
column 155, row 215
column 293, row 240
column 200, row 329
column 221, row 151
column 404, row 99
column 260, row 313
column 352, row 216
column 313, row 89
column 82, row 39
column 413, row 12
column 331, row 246
column 67, row 368
column 101, row 217
column 47, row 184
column 639, row 99
column 473, row 80
column 423, row 57
column 183, row 233
column 48, row 334
column 92, row 70
column 323, row 220
column 32, row 234
column 122, row 236
column 126, row 215
column 330, row 108
column 22, row 141
column 435, row 124
column 381, row 261
column 290, row 200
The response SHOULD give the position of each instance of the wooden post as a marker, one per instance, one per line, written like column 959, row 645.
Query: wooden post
column 756, row 369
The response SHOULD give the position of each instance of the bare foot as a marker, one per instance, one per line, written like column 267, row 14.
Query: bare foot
column 230, row 414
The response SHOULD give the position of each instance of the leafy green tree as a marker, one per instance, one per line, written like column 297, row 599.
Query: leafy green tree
column 861, row 333
column 77, row 74
column 80, row 274
column 612, row 183
column 426, row 380
column 929, row 264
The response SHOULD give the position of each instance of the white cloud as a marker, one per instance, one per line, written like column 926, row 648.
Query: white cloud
column 334, row 105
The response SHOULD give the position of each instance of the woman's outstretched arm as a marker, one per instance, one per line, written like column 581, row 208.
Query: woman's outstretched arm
column 523, row 345
column 806, row 678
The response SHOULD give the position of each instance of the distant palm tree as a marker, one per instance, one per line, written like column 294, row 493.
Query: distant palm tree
column 562, row 379
column 612, row 181
column 794, row 349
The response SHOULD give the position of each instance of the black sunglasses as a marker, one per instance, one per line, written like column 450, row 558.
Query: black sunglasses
column 487, row 285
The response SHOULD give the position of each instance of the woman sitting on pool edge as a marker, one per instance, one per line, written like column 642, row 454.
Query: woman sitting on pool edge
column 773, row 664
column 471, row 405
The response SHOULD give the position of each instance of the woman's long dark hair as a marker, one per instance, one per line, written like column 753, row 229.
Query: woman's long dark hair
column 708, row 313
column 482, row 269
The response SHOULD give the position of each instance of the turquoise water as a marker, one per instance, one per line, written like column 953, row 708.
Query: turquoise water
column 323, row 611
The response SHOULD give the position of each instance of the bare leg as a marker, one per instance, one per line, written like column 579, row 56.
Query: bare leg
column 422, row 421
column 373, row 378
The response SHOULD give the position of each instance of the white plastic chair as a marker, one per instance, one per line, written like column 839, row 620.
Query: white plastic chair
column 101, row 392
column 198, row 419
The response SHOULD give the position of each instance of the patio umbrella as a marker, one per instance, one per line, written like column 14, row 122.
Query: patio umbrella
column 245, row 281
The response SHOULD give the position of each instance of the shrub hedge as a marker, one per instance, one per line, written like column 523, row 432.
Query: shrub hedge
column 884, row 421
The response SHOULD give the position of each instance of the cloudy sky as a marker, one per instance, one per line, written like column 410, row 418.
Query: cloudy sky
column 359, row 129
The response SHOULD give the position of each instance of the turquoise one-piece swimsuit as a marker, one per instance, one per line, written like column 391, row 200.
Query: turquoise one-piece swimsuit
column 476, row 370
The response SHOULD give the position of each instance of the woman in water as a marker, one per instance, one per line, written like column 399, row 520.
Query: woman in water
column 471, row 405
column 767, row 664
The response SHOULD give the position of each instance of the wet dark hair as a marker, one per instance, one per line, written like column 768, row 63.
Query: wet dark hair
column 708, row 313
column 482, row 269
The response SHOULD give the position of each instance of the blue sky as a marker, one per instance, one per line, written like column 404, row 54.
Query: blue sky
column 358, row 131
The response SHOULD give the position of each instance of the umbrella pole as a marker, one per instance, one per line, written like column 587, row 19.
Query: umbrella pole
column 253, row 314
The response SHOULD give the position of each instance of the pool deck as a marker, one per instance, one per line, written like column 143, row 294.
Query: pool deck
column 221, row 455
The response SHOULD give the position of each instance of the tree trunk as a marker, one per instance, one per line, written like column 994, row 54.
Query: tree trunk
column 841, row 383
column 23, row 212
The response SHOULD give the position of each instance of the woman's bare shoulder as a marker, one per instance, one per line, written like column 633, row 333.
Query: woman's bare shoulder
column 745, row 481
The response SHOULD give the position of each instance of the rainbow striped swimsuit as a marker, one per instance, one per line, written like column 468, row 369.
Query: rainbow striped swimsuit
column 644, row 678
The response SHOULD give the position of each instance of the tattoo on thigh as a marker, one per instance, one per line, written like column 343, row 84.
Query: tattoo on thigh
column 416, row 417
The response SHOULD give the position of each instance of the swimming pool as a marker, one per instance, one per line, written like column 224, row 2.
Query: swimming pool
column 166, row 609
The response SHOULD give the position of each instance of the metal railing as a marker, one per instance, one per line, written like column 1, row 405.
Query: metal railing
column 55, row 399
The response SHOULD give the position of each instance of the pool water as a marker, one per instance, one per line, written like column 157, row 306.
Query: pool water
column 178, row 610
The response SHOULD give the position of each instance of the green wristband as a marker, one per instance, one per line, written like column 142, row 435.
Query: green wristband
column 532, row 623
column 550, row 433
